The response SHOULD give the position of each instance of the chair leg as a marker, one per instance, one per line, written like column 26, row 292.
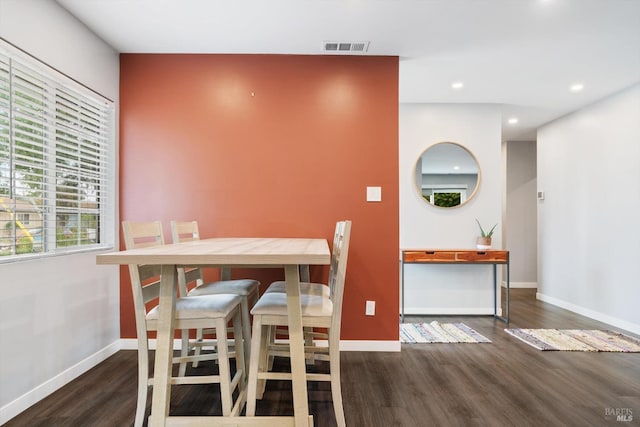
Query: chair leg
column 184, row 351
column 143, row 382
column 226, row 394
column 263, row 356
column 252, row 381
column 336, row 388
column 241, row 362
column 308, row 342
column 198, row 349
column 271, row 339
column 246, row 326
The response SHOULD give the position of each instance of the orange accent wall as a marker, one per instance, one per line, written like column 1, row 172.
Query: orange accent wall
column 268, row 145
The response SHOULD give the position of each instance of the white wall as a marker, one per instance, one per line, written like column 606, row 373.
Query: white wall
column 445, row 289
column 522, row 213
column 589, row 227
column 58, row 316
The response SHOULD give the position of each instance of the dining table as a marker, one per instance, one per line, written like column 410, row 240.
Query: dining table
column 291, row 254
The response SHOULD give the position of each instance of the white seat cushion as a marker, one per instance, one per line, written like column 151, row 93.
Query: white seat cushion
column 306, row 288
column 275, row 303
column 201, row 307
column 239, row 287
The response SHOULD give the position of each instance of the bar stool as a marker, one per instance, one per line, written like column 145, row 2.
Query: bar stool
column 192, row 312
column 247, row 289
column 318, row 311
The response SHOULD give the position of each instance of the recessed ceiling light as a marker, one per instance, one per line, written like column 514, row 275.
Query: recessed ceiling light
column 457, row 85
column 513, row 120
column 456, row 168
column 576, row 87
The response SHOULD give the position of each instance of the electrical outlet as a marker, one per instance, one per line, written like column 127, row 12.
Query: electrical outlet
column 370, row 308
column 374, row 194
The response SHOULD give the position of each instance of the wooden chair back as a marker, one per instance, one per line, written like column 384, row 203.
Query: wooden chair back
column 338, row 270
column 145, row 279
column 184, row 231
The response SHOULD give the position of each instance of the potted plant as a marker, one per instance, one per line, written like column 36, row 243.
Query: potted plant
column 484, row 241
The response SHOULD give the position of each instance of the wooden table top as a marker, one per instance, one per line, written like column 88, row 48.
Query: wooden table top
column 227, row 251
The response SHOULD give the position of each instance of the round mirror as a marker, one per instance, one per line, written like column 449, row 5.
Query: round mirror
column 447, row 175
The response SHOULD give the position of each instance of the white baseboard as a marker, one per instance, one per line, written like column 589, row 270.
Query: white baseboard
column 345, row 345
column 360, row 345
column 132, row 344
column 31, row 397
column 446, row 311
column 601, row 317
column 521, row 285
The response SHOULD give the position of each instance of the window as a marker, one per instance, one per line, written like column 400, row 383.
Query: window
column 22, row 217
column 56, row 142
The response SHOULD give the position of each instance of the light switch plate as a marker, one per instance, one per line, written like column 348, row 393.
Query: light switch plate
column 370, row 308
column 374, row 194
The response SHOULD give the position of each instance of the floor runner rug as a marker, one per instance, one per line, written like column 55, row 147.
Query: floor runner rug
column 576, row 340
column 435, row 332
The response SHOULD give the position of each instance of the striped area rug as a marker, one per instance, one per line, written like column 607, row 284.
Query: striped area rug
column 436, row 332
column 576, row 340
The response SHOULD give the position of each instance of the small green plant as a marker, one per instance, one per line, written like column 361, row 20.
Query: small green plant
column 485, row 233
column 446, row 200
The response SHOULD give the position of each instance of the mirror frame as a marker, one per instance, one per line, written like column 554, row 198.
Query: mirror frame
column 418, row 188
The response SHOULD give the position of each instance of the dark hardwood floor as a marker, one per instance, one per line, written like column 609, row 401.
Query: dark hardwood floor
column 505, row 383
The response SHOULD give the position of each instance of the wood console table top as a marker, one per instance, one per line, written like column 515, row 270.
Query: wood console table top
column 444, row 256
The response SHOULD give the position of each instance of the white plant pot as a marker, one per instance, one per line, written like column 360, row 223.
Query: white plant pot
column 483, row 243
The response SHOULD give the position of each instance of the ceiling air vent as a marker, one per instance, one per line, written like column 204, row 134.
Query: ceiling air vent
column 345, row 47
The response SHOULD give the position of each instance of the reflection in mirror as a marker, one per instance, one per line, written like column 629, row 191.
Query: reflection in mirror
column 447, row 175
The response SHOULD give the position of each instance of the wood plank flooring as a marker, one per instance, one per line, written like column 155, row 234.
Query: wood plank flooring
column 505, row 383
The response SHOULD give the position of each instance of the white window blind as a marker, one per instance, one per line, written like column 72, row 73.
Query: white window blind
column 55, row 161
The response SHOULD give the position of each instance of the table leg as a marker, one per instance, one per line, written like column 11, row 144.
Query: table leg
column 497, row 288
column 508, row 286
column 401, row 290
column 495, row 291
column 164, row 348
column 296, row 344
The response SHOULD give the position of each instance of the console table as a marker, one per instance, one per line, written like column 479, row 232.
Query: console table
column 458, row 256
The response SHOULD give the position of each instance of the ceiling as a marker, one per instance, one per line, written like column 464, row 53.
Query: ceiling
column 520, row 54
